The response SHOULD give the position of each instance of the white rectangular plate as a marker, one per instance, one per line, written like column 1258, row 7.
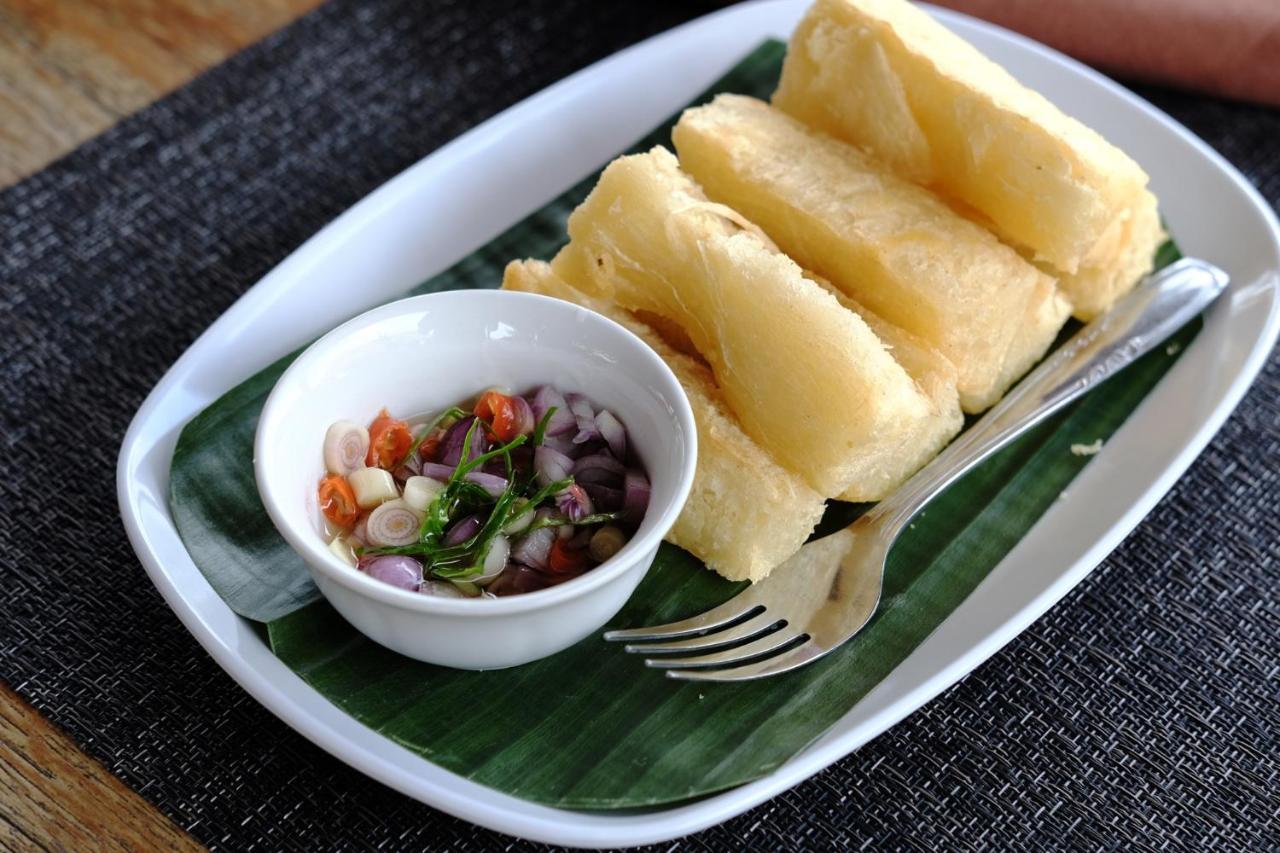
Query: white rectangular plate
column 472, row 189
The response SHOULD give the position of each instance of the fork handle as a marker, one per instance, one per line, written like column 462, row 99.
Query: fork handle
column 1155, row 309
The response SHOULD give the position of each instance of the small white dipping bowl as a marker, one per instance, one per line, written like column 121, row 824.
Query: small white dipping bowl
column 421, row 355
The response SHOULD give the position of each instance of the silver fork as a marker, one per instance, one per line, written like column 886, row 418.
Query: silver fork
column 829, row 590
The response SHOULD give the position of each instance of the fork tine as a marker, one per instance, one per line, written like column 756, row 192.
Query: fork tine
column 768, row 645
column 785, row 662
column 757, row 626
column 726, row 615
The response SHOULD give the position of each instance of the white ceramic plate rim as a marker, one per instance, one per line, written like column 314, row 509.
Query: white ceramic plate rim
column 674, row 66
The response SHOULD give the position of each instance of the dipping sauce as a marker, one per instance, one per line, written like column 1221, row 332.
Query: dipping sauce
column 505, row 494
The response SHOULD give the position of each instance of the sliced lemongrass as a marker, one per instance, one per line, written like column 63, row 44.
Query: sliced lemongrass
column 345, row 446
column 373, row 486
column 393, row 524
column 419, row 492
column 341, row 548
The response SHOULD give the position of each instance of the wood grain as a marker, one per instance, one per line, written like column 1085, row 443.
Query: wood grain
column 54, row 796
column 69, row 69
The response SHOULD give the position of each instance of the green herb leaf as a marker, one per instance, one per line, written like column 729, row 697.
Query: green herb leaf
column 465, row 468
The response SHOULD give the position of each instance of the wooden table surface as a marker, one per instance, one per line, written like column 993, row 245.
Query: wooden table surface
column 70, row 69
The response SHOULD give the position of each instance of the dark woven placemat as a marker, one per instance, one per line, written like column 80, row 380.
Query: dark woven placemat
column 1144, row 710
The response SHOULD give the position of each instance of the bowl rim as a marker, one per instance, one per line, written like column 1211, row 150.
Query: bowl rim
column 315, row 552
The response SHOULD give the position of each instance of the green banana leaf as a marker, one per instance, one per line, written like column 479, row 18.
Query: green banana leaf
column 590, row 728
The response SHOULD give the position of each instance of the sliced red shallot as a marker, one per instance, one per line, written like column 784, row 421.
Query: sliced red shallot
column 562, row 420
column 491, row 483
column 635, row 499
column 462, row 530
column 551, row 465
column 598, row 477
column 345, row 446
column 532, row 549
column 455, row 437
column 411, row 468
column 599, row 468
column 562, row 444
column 437, row 471
column 399, row 571
column 392, row 524
column 523, row 421
column 584, row 416
column 580, row 406
column 613, row 432
column 518, row 579
column 574, row 503
column 605, row 498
